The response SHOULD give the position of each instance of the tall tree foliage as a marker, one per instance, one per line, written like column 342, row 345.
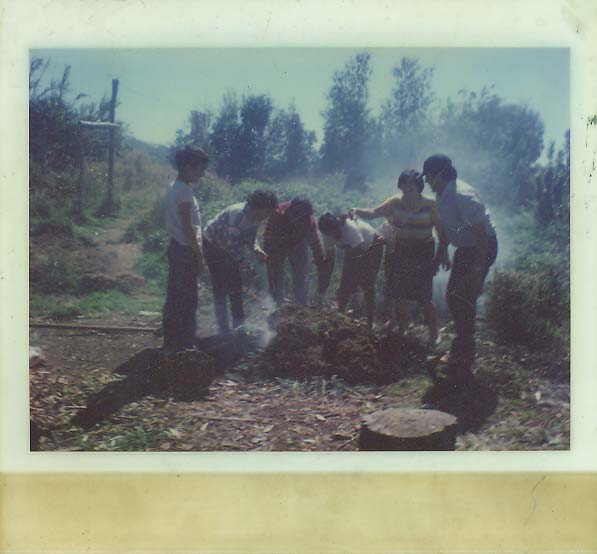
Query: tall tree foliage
column 404, row 113
column 347, row 122
column 553, row 185
column 289, row 149
column 224, row 135
column 250, row 148
column 502, row 141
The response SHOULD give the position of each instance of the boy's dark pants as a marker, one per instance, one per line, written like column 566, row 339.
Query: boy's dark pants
column 298, row 256
column 463, row 302
column 226, row 281
column 179, row 321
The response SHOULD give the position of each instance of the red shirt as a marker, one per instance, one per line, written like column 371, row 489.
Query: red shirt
column 279, row 235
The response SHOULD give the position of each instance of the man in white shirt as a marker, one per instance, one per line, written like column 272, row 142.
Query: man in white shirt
column 469, row 228
column 185, row 257
column 363, row 249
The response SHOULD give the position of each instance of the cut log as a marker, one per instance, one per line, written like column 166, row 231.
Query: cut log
column 408, row 429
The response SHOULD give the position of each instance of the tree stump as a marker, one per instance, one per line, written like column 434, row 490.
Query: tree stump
column 408, row 429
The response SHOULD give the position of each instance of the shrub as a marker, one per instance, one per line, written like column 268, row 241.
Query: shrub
column 60, row 275
column 530, row 308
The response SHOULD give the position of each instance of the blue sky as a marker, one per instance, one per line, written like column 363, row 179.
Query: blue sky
column 158, row 88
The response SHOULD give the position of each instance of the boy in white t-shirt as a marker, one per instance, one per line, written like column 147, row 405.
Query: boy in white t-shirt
column 185, row 258
column 363, row 251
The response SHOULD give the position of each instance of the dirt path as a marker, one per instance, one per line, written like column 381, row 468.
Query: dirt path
column 116, row 257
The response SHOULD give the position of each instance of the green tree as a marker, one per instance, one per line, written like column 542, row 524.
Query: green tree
column 224, row 135
column 500, row 144
column 403, row 115
column 250, row 146
column 289, row 148
column 347, row 122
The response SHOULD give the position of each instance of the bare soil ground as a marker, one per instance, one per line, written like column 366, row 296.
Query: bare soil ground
column 247, row 410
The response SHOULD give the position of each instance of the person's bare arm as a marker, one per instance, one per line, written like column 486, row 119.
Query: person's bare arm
column 442, row 259
column 184, row 211
column 258, row 244
column 385, row 209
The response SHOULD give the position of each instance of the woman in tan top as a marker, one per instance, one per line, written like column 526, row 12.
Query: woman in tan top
column 411, row 249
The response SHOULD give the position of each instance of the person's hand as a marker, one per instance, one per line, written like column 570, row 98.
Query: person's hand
column 441, row 259
column 352, row 213
column 261, row 255
column 379, row 240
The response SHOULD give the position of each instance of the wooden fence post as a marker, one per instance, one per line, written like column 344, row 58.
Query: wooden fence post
column 81, row 180
column 112, row 131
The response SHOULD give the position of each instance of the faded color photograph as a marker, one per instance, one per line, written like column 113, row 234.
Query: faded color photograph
column 299, row 249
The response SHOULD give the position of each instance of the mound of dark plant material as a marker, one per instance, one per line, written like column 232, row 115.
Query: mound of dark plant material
column 315, row 341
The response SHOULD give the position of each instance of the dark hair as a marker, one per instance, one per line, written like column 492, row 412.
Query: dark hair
column 440, row 163
column 262, row 200
column 300, row 207
column 190, row 155
column 411, row 176
column 329, row 223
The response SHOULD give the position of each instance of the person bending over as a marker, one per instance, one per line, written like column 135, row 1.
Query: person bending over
column 226, row 240
column 289, row 233
column 363, row 249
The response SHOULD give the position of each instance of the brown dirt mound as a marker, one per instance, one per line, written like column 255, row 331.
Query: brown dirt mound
column 313, row 341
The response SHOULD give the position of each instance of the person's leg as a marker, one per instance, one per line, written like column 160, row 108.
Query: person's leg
column 431, row 320
column 169, row 319
column 181, row 302
column 424, row 292
column 299, row 265
column 236, row 294
column 275, row 276
column 369, row 267
column 192, row 297
column 462, row 304
column 403, row 315
column 391, row 308
column 369, row 297
column 218, row 269
column 348, row 281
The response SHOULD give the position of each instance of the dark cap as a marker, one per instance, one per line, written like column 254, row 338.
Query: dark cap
column 436, row 164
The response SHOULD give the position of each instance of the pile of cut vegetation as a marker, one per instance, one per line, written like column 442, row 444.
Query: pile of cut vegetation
column 321, row 342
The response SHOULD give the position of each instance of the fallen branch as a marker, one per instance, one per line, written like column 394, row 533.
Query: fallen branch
column 347, row 442
column 96, row 328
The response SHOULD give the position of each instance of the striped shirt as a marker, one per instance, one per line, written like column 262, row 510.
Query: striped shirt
column 408, row 225
column 232, row 230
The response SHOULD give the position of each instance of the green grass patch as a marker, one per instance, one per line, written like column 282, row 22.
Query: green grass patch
column 96, row 305
column 137, row 439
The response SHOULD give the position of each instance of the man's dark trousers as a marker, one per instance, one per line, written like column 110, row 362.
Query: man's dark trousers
column 180, row 309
